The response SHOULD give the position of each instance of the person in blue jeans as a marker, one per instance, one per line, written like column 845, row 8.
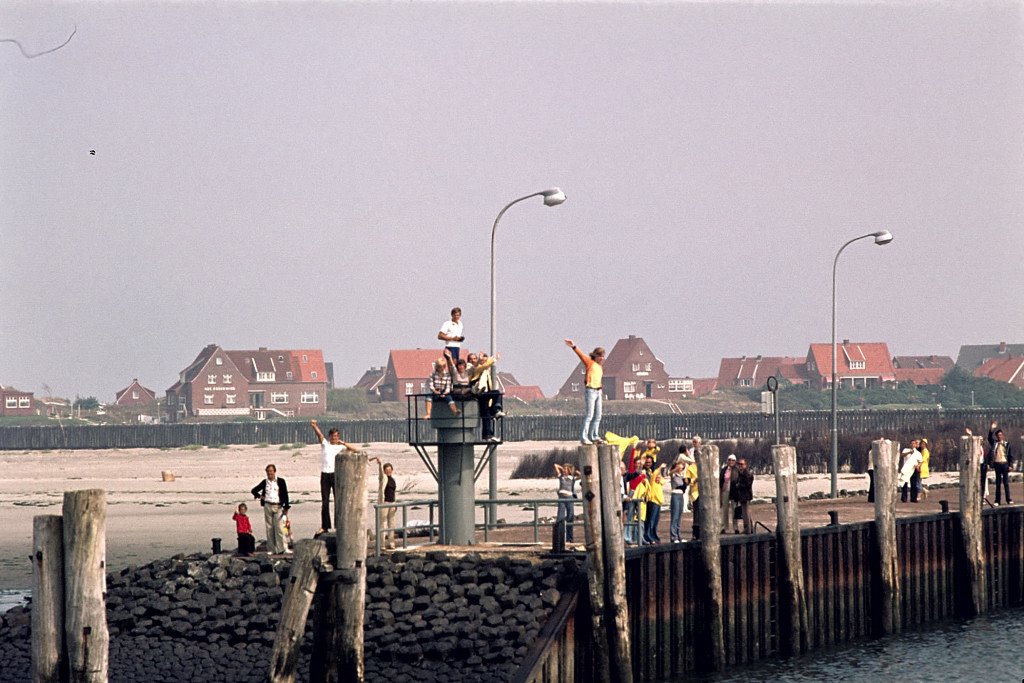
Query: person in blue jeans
column 591, row 429
column 677, row 486
column 567, row 478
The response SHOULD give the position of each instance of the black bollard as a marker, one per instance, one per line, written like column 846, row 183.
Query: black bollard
column 944, row 505
column 833, row 517
column 216, row 545
column 558, row 537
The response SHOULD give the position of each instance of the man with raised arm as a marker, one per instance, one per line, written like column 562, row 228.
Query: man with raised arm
column 329, row 447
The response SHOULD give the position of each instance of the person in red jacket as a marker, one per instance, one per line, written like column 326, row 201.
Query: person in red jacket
column 246, row 541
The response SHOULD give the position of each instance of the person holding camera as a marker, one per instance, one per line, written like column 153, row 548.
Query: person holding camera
column 451, row 334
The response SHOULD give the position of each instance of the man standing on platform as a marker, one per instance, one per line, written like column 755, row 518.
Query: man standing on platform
column 272, row 493
column 726, row 482
column 451, row 333
column 590, row 433
column 1000, row 456
column 329, row 447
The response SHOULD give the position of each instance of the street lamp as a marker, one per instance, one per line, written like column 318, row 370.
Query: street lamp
column 552, row 197
column 882, row 237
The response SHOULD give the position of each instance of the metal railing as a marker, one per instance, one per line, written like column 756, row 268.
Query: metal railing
column 430, row 528
column 421, row 412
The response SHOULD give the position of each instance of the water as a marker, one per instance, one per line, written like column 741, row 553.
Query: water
column 9, row 599
column 984, row 649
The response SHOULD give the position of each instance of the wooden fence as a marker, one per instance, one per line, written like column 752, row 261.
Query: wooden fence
column 516, row 428
column 840, row 563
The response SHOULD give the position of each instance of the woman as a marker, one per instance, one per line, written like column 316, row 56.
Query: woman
column 589, row 434
column 677, row 499
column 567, row 478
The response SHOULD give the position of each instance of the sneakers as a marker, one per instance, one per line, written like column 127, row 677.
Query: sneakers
column 493, row 439
column 320, row 531
column 500, row 413
column 586, row 442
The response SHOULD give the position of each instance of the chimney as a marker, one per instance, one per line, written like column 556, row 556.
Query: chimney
column 758, row 359
column 263, row 348
column 845, row 342
column 632, row 336
column 1002, row 347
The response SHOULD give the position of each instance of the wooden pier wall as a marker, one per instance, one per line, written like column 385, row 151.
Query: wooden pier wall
column 840, row 566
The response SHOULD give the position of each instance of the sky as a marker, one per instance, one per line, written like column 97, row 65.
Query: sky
column 326, row 175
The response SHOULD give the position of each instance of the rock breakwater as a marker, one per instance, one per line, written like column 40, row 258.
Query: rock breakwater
column 429, row 617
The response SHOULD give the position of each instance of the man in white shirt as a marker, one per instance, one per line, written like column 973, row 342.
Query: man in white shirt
column 451, row 334
column 272, row 493
column 329, row 447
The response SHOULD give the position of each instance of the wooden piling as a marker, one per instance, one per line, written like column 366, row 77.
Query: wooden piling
column 49, row 663
column 793, row 634
column 711, row 552
column 972, row 559
column 885, row 458
column 617, row 611
column 350, row 566
column 596, row 572
column 85, row 609
column 310, row 556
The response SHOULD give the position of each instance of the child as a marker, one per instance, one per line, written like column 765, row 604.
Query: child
column 286, row 533
column 246, row 541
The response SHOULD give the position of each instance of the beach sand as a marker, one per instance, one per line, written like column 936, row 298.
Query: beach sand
column 149, row 519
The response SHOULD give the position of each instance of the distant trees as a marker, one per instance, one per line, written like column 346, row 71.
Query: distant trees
column 86, row 403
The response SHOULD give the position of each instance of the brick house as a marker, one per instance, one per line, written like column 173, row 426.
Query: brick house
column 1009, row 369
column 135, row 395
column 973, row 356
column 261, row 383
column 14, row 402
column 631, row 372
column 407, row 372
column 921, row 370
column 370, row 382
column 524, row 393
column 858, row 364
column 754, row 371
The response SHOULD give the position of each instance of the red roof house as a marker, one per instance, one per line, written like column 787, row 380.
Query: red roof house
column 631, row 372
column 754, row 371
column 858, row 364
column 14, row 402
column 408, row 372
column 1009, row 369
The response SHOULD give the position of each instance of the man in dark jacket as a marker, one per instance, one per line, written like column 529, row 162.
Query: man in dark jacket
column 272, row 493
column 1000, row 458
column 741, row 494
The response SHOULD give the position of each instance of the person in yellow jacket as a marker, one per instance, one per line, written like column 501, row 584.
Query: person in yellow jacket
column 925, row 455
column 690, row 477
column 651, row 494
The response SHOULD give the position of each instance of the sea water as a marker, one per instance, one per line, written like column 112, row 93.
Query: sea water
column 989, row 649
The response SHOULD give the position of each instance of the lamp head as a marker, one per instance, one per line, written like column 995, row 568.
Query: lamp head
column 555, row 196
column 883, row 237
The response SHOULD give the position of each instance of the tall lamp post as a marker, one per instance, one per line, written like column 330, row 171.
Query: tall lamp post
column 552, row 197
column 881, row 237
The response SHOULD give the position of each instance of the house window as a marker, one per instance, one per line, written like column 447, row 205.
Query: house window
column 312, row 375
column 230, row 399
column 208, row 399
column 647, row 367
column 288, row 375
column 12, row 402
column 310, row 397
column 24, row 402
column 265, row 376
column 629, row 387
column 227, row 378
column 746, row 382
column 211, row 379
column 305, row 358
column 680, row 385
column 856, row 365
column 636, row 367
column 220, row 361
column 279, row 397
column 574, row 387
column 135, row 394
column 408, row 388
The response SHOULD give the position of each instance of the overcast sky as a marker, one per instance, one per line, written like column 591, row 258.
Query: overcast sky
column 326, row 175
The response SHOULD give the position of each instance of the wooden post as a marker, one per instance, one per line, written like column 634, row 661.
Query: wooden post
column 85, row 610
column 615, row 565
column 885, row 458
column 596, row 573
column 791, row 570
column 974, row 599
column 49, row 656
column 310, row 556
column 350, row 564
column 711, row 551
